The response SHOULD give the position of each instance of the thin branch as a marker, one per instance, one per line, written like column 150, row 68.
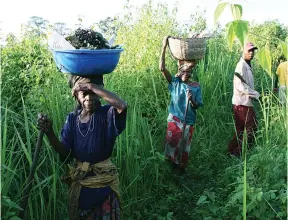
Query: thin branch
column 266, row 38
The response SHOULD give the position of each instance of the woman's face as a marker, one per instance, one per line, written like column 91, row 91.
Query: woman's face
column 185, row 75
column 186, row 69
column 88, row 100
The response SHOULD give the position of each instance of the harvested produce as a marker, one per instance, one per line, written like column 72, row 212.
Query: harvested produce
column 88, row 39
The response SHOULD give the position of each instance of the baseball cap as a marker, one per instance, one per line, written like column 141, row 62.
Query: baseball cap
column 250, row 46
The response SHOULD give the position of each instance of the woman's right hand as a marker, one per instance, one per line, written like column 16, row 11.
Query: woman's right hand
column 44, row 123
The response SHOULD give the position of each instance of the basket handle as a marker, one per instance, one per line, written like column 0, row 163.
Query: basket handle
column 170, row 49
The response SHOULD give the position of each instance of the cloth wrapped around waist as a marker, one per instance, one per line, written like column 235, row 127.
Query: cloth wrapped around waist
column 104, row 174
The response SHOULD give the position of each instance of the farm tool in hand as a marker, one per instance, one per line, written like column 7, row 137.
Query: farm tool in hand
column 183, row 141
column 27, row 190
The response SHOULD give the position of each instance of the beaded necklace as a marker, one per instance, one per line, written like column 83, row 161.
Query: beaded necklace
column 89, row 127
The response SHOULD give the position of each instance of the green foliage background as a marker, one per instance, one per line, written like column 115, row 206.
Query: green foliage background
column 214, row 183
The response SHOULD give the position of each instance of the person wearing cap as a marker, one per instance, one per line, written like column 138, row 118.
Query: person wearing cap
column 186, row 97
column 243, row 95
column 88, row 136
column 282, row 78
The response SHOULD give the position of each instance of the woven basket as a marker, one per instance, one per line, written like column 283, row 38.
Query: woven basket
column 187, row 48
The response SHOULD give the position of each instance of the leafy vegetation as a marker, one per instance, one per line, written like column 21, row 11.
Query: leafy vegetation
column 87, row 38
column 215, row 186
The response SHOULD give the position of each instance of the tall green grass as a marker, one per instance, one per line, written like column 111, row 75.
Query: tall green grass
column 135, row 154
column 215, row 186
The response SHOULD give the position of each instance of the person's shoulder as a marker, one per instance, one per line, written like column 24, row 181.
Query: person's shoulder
column 73, row 114
column 71, row 117
column 241, row 66
column 241, row 62
column 278, row 69
column 105, row 108
column 194, row 84
column 283, row 65
column 175, row 79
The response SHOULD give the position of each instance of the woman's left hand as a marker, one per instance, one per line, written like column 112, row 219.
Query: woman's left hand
column 191, row 98
column 189, row 94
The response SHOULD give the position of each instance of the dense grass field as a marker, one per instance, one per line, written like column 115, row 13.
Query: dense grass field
column 215, row 185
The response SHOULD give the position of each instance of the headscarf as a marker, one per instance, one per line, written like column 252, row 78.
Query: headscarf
column 97, row 79
column 183, row 66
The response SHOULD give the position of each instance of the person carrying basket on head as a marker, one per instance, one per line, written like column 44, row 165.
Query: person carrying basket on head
column 186, row 97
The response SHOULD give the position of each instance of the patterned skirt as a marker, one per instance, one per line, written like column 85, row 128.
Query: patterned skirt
column 173, row 139
column 110, row 210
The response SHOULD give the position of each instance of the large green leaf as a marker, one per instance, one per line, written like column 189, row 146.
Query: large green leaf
column 284, row 47
column 264, row 59
column 268, row 59
column 230, row 34
column 241, row 30
column 201, row 200
column 211, row 196
column 236, row 11
column 219, row 10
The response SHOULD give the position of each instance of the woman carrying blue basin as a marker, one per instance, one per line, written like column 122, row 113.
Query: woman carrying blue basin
column 88, row 136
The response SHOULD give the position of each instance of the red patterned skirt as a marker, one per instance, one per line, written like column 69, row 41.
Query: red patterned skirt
column 173, row 138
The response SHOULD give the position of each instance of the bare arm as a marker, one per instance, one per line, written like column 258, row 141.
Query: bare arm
column 108, row 96
column 57, row 145
column 45, row 125
column 162, row 66
column 191, row 99
column 193, row 103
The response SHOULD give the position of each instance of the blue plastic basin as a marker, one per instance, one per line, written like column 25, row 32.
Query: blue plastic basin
column 85, row 62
